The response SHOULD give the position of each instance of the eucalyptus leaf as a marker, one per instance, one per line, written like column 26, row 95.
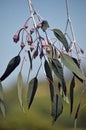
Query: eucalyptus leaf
column 30, row 59
column 20, row 89
column 57, row 107
column 2, row 104
column 13, row 63
column 33, row 84
column 72, row 85
column 61, row 37
column 51, row 91
column 76, row 115
column 58, row 70
column 45, row 25
column 48, row 71
column 71, row 65
column 76, row 62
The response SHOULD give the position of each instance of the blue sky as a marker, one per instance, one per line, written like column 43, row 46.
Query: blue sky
column 13, row 14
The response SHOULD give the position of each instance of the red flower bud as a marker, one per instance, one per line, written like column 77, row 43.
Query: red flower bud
column 32, row 30
column 32, row 47
column 26, row 25
column 16, row 38
column 30, row 40
column 22, row 45
column 41, row 54
column 39, row 25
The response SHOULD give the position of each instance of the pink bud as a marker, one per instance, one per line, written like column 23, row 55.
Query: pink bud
column 32, row 30
column 32, row 47
column 35, row 53
column 39, row 25
column 26, row 25
column 22, row 45
column 45, row 44
column 30, row 40
column 41, row 54
column 16, row 38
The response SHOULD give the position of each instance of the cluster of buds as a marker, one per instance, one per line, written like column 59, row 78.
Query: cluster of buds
column 36, row 45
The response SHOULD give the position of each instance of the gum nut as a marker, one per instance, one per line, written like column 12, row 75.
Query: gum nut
column 22, row 45
column 26, row 25
column 32, row 30
column 16, row 38
column 39, row 25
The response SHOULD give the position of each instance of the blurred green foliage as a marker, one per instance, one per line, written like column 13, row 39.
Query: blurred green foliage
column 38, row 117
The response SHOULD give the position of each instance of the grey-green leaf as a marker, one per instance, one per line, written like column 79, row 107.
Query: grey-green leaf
column 57, row 107
column 48, row 71
column 20, row 89
column 71, row 65
column 33, row 84
column 13, row 63
column 72, row 85
column 58, row 70
column 61, row 37
column 45, row 25
column 2, row 105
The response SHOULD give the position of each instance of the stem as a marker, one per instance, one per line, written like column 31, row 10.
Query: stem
column 32, row 12
column 71, row 27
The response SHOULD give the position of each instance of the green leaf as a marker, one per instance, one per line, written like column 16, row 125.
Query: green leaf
column 76, row 115
column 30, row 59
column 76, row 62
column 51, row 91
column 45, row 25
column 2, row 105
column 61, row 37
column 20, row 89
column 58, row 70
column 13, row 63
column 71, row 65
column 72, row 85
column 57, row 107
column 32, row 90
column 48, row 71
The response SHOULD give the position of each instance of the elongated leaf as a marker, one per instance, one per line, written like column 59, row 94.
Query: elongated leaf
column 32, row 90
column 14, row 62
column 72, row 85
column 51, row 91
column 71, row 65
column 20, row 89
column 2, row 105
column 76, row 115
column 30, row 59
column 57, row 108
column 61, row 37
column 58, row 70
column 45, row 25
column 48, row 71
column 75, row 60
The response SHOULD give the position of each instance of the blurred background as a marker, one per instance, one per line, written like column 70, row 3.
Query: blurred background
column 12, row 17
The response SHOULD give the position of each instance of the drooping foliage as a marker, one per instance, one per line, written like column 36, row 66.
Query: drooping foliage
column 54, row 56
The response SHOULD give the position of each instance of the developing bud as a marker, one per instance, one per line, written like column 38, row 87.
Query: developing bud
column 30, row 40
column 16, row 38
column 32, row 47
column 32, row 30
column 26, row 25
column 22, row 45
column 41, row 54
column 39, row 25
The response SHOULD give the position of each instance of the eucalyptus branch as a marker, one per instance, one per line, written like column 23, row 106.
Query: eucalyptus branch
column 71, row 28
column 32, row 12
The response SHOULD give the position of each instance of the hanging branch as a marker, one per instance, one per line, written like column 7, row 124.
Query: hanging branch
column 71, row 28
